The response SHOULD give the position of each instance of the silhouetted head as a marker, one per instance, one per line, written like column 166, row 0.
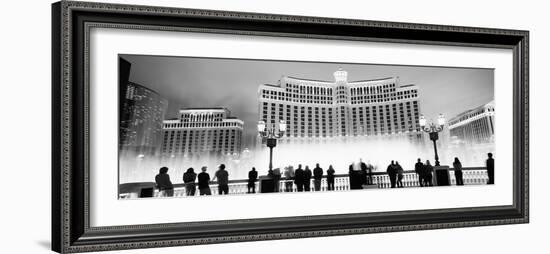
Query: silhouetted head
column 307, row 167
column 396, row 162
column 222, row 166
column 299, row 165
column 190, row 170
column 490, row 155
column 427, row 162
column 392, row 162
column 330, row 167
column 419, row 160
column 203, row 169
column 317, row 165
column 456, row 160
column 163, row 170
column 253, row 169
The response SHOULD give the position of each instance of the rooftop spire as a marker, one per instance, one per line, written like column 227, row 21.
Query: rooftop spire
column 340, row 75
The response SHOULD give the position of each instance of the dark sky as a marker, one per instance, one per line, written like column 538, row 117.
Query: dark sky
column 233, row 83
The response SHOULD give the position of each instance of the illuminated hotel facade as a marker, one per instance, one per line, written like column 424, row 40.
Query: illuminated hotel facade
column 475, row 125
column 201, row 132
column 142, row 111
column 315, row 109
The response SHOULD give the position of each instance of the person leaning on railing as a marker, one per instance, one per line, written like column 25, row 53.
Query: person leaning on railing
column 428, row 173
column 252, row 178
column 354, row 178
column 317, row 177
column 223, row 180
column 392, row 174
column 419, row 169
column 457, row 166
column 189, row 178
column 364, row 172
column 163, row 182
column 400, row 172
column 204, row 182
column 490, row 164
column 330, row 178
column 307, row 179
column 299, row 178
column 289, row 178
column 276, row 176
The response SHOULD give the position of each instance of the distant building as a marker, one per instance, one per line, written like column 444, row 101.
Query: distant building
column 474, row 126
column 202, row 131
column 142, row 111
column 315, row 109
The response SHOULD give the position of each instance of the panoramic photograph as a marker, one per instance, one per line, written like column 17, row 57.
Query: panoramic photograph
column 192, row 127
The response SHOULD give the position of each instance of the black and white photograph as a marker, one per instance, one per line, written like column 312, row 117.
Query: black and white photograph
column 270, row 127
column 197, row 126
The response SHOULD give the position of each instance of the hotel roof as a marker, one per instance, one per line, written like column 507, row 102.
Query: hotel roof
column 332, row 82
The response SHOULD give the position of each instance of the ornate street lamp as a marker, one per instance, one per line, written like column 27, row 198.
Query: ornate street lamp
column 433, row 129
column 271, row 133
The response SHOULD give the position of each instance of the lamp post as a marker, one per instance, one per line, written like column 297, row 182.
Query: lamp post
column 271, row 133
column 433, row 129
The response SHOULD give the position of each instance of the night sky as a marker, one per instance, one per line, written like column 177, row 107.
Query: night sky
column 233, row 83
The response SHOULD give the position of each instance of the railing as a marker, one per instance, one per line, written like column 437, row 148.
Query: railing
column 380, row 180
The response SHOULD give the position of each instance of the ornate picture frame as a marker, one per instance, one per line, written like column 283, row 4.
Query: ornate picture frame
column 71, row 229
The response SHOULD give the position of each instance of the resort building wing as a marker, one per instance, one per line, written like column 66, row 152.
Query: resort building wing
column 316, row 109
column 202, row 131
column 474, row 126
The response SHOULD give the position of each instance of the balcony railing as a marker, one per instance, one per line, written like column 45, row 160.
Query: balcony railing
column 380, row 180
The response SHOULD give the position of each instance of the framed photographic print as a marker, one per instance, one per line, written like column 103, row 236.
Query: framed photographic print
column 182, row 126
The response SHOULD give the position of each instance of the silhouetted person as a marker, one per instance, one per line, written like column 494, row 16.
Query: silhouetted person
column 419, row 169
column 330, row 178
column 307, row 179
column 490, row 163
column 299, row 178
column 364, row 172
column 458, row 171
column 354, row 179
column 351, row 176
column 189, row 179
column 428, row 173
column 392, row 173
column 289, row 176
column 252, row 178
column 163, row 182
column 317, row 177
column 400, row 172
column 223, row 180
column 204, row 182
column 276, row 180
column 370, row 168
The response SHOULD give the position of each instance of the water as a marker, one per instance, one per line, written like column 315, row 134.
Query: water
column 339, row 154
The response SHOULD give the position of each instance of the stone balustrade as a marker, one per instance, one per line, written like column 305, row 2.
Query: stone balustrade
column 380, row 180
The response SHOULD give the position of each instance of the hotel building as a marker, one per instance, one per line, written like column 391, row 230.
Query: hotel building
column 142, row 111
column 316, row 109
column 475, row 125
column 202, row 131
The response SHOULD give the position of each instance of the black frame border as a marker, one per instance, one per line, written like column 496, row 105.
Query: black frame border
column 70, row 198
